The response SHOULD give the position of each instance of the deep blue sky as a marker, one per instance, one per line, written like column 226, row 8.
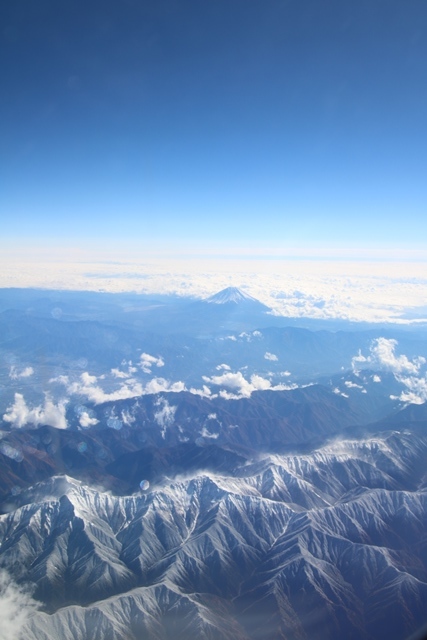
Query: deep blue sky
column 230, row 123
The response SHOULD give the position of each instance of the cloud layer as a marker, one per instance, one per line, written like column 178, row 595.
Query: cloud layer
column 358, row 291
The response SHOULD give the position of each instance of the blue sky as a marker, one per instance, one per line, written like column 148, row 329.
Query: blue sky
column 228, row 127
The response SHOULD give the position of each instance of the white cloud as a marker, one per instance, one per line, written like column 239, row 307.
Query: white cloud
column 147, row 361
column 236, row 386
column 376, row 378
column 206, row 434
column 224, row 367
column 16, row 607
column 338, row 392
column 417, row 390
column 270, row 356
column 352, row 385
column 120, row 374
column 380, row 291
column 165, row 415
column 19, row 415
column 87, row 378
column 25, row 373
column 93, row 392
column 86, row 421
column 233, row 381
column 382, row 356
column 204, row 392
column 127, row 418
column 157, row 385
column 60, row 380
column 130, row 388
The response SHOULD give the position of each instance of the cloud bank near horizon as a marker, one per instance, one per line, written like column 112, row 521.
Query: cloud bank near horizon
column 356, row 291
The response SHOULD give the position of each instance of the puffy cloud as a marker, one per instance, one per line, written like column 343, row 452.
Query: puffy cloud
column 86, row 421
column 204, row 392
column 25, row 373
column 270, row 356
column 87, row 379
column 16, row 607
column 19, row 415
column 129, row 388
column 382, row 356
column 86, row 387
column 417, row 390
column 224, row 367
column 236, row 386
column 147, row 361
column 260, row 383
column 233, row 381
column 157, row 385
column 407, row 372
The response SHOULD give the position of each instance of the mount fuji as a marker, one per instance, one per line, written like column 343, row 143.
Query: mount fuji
column 233, row 295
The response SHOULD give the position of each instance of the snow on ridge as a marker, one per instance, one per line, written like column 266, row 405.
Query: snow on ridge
column 230, row 294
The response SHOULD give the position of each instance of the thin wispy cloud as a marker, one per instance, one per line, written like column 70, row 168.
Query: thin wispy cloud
column 165, row 415
column 16, row 607
column 14, row 374
column 270, row 356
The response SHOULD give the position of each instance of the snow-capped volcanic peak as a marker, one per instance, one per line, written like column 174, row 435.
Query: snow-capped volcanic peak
column 230, row 294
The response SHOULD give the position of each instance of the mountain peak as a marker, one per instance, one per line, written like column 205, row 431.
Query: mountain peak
column 230, row 294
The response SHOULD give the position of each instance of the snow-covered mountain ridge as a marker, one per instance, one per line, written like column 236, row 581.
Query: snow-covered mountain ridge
column 233, row 554
column 231, row 295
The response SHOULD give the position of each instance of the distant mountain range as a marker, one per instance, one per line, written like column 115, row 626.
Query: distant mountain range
column 277, row 491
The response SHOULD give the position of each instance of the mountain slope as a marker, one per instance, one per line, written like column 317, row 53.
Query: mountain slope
column 324, row 545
